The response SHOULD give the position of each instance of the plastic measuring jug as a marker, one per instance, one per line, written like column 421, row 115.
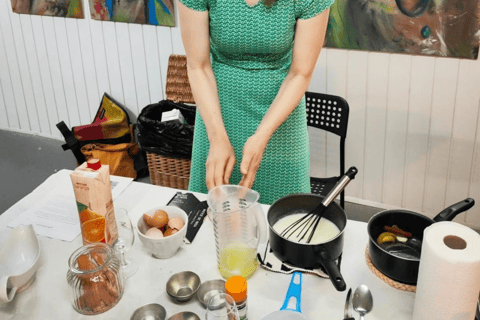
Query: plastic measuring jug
column 240, row 226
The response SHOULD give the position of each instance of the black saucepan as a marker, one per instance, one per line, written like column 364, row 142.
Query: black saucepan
column 400, row 261
column 309, row 256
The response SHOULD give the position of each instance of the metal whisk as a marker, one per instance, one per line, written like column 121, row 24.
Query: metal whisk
column 308, row 223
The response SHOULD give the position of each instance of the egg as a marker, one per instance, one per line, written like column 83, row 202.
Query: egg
column 169, row 232
column 176, row 223
column 154, row 233
column 158, row 220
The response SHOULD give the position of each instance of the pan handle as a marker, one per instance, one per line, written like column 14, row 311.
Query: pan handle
column 332, row 269
column 455, row 209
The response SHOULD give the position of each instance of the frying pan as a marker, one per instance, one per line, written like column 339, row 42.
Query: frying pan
column 294, row 291
column 399, row 261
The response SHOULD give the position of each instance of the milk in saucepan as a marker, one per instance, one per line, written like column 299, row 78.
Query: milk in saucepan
column 325, row 231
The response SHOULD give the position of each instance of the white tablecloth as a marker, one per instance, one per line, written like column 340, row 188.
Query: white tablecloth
column 47, row 297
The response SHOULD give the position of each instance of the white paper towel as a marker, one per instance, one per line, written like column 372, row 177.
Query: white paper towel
column 448, row 279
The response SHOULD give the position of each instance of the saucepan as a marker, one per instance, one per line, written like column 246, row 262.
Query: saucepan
column 396, row 239
column 308, row 255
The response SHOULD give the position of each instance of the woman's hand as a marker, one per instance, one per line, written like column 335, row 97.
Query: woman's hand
column 252, row 156
column 220, row 163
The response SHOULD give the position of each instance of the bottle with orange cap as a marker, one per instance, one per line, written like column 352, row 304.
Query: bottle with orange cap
column 93, row 194
column 236, row 287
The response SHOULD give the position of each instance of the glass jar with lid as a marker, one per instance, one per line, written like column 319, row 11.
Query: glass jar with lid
column 94, row 278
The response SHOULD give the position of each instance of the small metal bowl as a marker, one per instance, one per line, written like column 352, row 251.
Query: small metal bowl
column 182, row 286
column 209, row 289
column 152, row 311
column 184, row 316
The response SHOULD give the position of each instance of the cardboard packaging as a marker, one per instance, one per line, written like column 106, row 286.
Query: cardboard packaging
column 91, row 184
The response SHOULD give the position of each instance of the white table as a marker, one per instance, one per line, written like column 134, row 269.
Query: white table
column 47, row 297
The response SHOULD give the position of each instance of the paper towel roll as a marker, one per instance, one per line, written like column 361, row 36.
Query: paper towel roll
column 449, row 274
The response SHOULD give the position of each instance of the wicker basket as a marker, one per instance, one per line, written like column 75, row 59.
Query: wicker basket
column 167, row 171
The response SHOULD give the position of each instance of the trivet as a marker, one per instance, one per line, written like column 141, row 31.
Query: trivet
column 390, row 282
column 269, row 261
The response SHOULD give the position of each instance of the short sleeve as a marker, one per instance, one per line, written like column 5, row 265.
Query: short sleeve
column 307, row 9
column 197, row 5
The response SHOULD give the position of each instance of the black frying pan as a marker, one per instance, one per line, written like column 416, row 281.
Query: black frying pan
column 400, row 261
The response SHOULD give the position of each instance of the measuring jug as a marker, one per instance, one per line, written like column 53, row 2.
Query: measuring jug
column 240, row 226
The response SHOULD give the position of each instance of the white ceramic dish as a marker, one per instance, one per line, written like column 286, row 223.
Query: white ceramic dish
column 18, row 261
column 163, row 248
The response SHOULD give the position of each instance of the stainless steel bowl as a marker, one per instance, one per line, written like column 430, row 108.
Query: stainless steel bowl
column 209, row 289
column 184, row 316
column 182, row 286
column 151, row 311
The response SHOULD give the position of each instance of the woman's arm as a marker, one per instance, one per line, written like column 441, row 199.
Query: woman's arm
column 196, row 40
column 309, row 38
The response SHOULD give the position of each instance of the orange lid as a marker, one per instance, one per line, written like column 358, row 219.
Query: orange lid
column 236, row 286
column 94, row 163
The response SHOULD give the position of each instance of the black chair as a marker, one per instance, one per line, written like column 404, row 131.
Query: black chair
column 329, row 113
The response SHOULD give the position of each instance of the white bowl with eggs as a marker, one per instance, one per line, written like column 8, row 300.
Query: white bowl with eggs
column 163, row 247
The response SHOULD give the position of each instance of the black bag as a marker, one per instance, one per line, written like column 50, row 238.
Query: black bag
column 168, row 138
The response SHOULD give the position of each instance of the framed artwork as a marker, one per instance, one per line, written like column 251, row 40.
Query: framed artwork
column 154, row 12
column 445, row 28
column 56, row 8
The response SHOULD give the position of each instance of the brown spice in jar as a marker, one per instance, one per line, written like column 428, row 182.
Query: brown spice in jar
column 101, row 288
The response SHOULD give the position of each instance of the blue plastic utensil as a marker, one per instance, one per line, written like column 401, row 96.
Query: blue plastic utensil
column 294, row 294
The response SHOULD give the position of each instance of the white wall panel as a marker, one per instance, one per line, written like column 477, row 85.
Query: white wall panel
column 399, row 73
column 11, row 118
column 67, row 72
column 356, row 97
column 440, row 134
column 41, row 59
column 463, row 133
column 25, row 76
column 21, row 112
column 152, row 58
column 100, row 58
column 165, row 49
column 377, row 88
column 113, row 62
column 78, row 72
column 139, row 66
column 420, row 107
column 3, row 108
column 89, row 73
column 473, row 215
column 38, row 112
column 56, row 70
column 126, row 68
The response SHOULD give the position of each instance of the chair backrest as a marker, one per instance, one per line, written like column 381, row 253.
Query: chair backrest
column 178, row 87
column 327, row 112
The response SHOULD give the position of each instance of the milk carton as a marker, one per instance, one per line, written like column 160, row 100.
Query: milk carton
column 91, row 184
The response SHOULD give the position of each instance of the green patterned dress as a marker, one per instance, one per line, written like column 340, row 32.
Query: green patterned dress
column 251, row 52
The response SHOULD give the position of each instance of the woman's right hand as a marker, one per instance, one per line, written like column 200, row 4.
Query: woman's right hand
column 220, row 163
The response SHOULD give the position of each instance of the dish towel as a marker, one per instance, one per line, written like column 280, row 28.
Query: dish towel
column 269, row 261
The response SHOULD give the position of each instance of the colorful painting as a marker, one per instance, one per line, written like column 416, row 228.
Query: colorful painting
column 55, row 8
column 445, row 28
column 155, row 12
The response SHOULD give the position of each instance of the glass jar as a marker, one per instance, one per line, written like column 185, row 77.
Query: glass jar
column 95, row 280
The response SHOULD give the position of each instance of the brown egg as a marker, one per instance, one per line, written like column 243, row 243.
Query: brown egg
column 158, row 220
column 154, row 233
column 169, row 232
column 176, row 223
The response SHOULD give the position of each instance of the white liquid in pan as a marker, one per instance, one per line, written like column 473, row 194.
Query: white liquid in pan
column 325, row 230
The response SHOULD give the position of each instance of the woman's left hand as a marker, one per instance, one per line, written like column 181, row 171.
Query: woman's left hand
column 252, row 156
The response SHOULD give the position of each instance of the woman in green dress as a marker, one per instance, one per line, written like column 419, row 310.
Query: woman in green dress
column 249, row 64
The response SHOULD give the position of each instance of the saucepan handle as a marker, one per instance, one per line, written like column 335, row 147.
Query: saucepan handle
column 455, row 209
column 294, row 291
column 332, row 269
